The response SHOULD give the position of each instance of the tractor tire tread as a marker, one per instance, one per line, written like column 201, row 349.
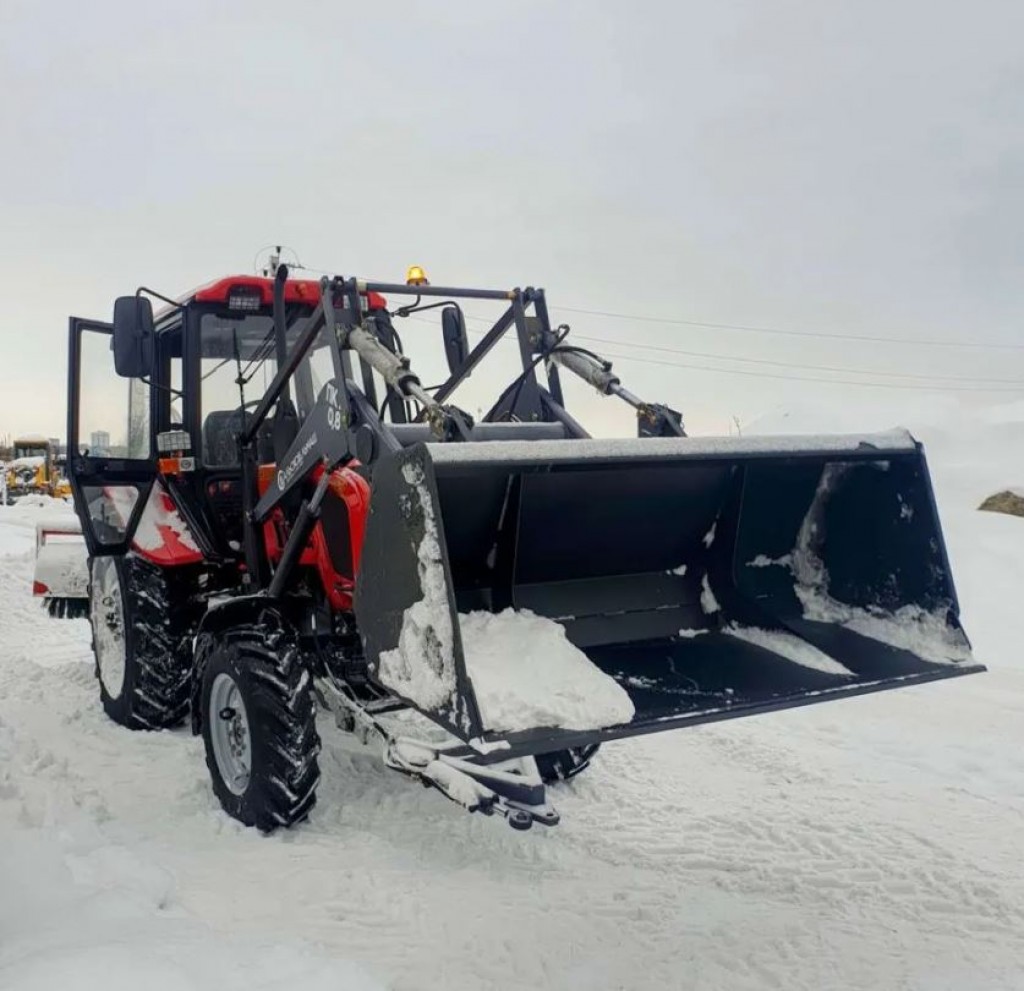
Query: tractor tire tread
column 277, row 690
column 158, row 619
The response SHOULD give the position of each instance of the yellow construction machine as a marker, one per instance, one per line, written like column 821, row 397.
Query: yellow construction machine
column 36, row 468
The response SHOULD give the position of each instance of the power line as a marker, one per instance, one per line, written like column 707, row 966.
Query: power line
column 939, row 387
column 745, row 328
column 938, row 380
column 750, row 329
column 799, row 365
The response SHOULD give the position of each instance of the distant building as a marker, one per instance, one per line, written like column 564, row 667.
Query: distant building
column 99, row 441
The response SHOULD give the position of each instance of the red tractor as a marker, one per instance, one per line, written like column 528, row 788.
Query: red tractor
column 284, row 515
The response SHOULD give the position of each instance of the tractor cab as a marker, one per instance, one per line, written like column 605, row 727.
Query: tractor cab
column 176, row 422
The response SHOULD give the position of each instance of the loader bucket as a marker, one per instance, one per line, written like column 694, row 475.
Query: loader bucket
column 710, row 578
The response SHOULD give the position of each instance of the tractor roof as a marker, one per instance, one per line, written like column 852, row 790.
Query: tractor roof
column 295, row 291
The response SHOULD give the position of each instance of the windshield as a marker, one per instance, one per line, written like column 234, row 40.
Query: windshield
column 238, row 362
column 30, row 449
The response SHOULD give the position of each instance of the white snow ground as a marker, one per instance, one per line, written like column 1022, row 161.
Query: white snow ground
column 870, row 843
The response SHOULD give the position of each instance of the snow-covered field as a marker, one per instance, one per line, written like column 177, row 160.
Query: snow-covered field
column 871, row 843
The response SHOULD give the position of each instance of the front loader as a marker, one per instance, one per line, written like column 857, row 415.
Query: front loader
column 489, row 598
column 35, row 469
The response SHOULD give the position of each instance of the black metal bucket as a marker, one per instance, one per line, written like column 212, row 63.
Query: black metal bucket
column 710, row 578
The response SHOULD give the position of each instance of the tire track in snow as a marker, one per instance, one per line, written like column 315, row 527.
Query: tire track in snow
column 810, row 839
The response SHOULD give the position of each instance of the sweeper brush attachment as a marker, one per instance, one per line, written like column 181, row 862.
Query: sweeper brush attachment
column 709, row 579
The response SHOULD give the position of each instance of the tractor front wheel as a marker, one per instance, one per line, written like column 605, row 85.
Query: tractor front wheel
column 258, row 718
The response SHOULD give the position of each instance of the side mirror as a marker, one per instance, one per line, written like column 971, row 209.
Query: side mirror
column 456, row 343
column 133, row 336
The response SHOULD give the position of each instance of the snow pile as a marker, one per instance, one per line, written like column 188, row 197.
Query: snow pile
column 63, row 568
column 422, row 667
column 789, row 646
column 35, row 507
column 910, row 628
column 526, row 674
column 32, row 461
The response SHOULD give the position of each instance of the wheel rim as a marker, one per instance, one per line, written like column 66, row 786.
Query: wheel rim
column 229, row 734
column 107, row 613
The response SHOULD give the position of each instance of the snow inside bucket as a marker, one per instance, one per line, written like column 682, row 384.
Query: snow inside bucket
column 527, row 673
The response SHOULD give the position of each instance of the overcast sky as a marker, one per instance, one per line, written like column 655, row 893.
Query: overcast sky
column 846, row 167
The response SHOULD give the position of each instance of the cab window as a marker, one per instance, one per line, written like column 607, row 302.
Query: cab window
column 237, row 364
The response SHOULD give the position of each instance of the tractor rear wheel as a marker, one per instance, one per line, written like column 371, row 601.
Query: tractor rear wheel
column 561, row 765
column 258, row 718
column 140, row 639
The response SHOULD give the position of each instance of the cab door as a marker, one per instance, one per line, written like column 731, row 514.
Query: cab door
column 111, row 462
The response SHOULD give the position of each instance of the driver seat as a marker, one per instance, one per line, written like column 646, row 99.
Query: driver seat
column 220, row 437
column 284, row 430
